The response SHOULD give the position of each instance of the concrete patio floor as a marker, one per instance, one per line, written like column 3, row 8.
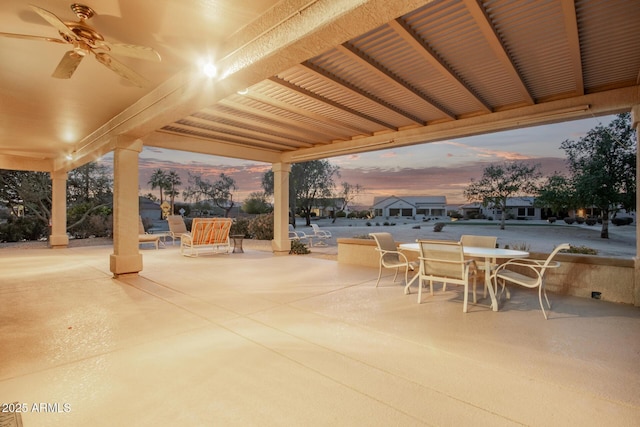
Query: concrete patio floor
column 255, row 339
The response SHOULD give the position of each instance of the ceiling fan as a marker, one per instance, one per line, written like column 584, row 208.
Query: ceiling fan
column 85, row 40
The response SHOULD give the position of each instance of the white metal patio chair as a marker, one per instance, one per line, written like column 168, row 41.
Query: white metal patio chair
column 296, row 234
column 390, row 256
column 530, row 273
column 320, row 234
column 443, row 261
column 480, row 242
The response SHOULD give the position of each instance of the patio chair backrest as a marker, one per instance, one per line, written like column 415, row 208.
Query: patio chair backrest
column 478, row 241
column 210, row 231
column 176, row 225
column 386, row 244
column 442, row 258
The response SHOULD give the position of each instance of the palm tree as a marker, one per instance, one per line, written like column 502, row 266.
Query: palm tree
column 172, row 180
column 159, row 180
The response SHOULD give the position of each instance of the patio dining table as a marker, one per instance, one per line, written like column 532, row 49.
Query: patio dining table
column 487, row 253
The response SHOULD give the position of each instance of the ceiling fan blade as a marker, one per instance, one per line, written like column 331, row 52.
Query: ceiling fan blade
column 121, row 69
column 133, row 51
column 54, row 21
column 67, row 65
column 24, row 36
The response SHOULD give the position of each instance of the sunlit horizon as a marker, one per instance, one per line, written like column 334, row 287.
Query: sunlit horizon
column 443, row 168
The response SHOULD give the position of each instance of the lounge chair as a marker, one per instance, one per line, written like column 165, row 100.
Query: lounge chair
column 295, row 234
column 318, row 233
column 390, row 256
column 530, row 274
column 144, row 237
column 177, row 227
column 443, row 261
column 207, row 234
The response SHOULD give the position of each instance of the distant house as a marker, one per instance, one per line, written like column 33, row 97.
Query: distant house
column 426, row 206
column 517, row 208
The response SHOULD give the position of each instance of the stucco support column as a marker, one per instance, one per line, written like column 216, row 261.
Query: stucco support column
column 281, row 244
column 58, row 237
column 635, row 123
column 126, row 257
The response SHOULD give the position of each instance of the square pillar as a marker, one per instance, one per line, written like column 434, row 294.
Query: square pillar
column 58, row 237
column 126, row 257
column 281, row 243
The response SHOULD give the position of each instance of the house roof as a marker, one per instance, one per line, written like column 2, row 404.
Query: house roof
column 384, row 201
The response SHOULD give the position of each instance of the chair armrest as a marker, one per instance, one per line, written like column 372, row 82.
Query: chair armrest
column 470, row 266
column 531, row 266
column 399, row 253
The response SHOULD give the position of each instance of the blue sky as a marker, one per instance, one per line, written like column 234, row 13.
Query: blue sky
column 441, row 168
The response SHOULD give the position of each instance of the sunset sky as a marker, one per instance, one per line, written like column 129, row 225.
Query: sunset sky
column 441, row 168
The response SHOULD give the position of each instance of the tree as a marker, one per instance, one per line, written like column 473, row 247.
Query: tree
column 220, row 192
column 603, row 165
column 256, row 203
column 499, row 182
column 309, row 183
column 89, row 193
column 172, row 180
column 557, row 194
column 347, row 195
column 159, row 180
column 27, row 192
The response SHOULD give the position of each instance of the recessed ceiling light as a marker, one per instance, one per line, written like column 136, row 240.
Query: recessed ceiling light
column 209, row 70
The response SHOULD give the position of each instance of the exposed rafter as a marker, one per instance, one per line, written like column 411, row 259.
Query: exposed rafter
column 330, row 122
column 490, row 34
column 231, row 123
column 352, row 88
column 421, row 48
column 571, row 25
column 343, row 108
column 280, row 123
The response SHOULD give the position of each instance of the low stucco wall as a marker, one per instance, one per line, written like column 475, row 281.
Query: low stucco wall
column 579, row 275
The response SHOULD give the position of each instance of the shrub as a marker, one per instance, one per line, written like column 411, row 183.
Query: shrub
column 591, row 221
column 580, row 220
column 522, row 246
column 22, row 228
column 551, row 219
column 438, row 226
column 622, row 221
column 240, row 226
column 298, row 248
column 99, row 226
column 580, row 250
column 368, row 224
column 362, row 236
column 569, row 220
column 261, row 227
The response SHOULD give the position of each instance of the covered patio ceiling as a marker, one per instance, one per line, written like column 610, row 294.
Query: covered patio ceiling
column 300, row 80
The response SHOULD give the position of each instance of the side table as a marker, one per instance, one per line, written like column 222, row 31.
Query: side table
column 237, row 243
